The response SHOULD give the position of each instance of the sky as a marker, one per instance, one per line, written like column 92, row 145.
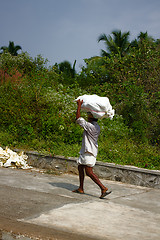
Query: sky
column 62, row 30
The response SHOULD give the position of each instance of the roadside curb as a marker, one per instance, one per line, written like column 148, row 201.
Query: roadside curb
column 109, row 171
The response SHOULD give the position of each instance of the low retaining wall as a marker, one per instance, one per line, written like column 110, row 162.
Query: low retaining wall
column 110, row 171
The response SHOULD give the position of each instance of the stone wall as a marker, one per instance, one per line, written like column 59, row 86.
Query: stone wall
column 110, row 171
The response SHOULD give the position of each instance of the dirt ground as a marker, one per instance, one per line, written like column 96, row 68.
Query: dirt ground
column 17, row 202
column 34, row 206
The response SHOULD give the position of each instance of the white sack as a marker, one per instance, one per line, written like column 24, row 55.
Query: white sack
column 100, row 107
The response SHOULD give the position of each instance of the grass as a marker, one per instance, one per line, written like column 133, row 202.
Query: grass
column 129, row 153
column 122, row 151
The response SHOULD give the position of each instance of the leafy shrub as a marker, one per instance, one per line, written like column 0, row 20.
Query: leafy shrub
column 38, row 111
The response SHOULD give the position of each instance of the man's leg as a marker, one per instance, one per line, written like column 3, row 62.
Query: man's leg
column 81, row 179
column 89, row 172
column 93, row 176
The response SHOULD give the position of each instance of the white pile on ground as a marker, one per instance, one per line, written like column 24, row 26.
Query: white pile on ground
column 8, row 158
column 100, row 107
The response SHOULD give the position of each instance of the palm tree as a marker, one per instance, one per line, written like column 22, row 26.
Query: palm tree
column 12, row 49
column 118, row 44
column 66, row 68
column 142, row 37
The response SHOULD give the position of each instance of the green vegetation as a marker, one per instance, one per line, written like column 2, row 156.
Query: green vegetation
column 12, row 49
column 37, row 105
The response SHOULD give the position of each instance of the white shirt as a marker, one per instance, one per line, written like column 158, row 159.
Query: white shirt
column 90, row 136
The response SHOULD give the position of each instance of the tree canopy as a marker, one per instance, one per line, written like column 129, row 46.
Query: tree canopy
column 118, row 44
column 12, row 49
column 37, row 105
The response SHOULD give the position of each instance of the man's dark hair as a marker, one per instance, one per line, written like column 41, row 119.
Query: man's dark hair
column 94, row 119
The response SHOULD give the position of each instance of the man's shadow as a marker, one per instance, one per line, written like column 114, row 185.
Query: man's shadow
column 67, row 186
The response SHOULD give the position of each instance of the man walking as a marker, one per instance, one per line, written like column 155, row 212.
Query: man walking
column 89, row 150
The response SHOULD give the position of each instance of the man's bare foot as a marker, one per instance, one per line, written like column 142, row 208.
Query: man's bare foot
column 78, row 191
column 105, row 192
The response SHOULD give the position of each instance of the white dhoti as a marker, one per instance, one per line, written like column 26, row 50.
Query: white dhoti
column 87, row 159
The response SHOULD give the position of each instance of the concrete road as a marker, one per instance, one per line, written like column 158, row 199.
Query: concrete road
column 35, row 205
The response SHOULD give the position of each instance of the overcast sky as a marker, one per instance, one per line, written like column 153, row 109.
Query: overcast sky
column 68, row 29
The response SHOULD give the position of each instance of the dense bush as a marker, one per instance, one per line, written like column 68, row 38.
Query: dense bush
column 37, row 106
column 132, row 83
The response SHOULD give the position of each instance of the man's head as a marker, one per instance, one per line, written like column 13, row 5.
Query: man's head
column 91, row 118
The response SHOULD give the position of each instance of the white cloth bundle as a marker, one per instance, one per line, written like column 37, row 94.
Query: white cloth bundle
column 100, row 107
column 8, row 158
